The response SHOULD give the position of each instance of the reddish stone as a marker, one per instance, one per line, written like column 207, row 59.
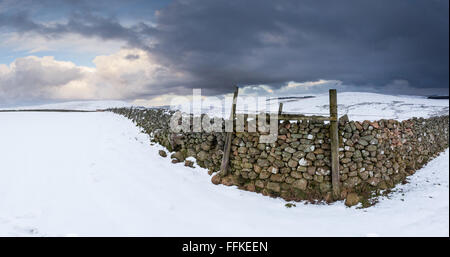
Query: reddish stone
column 227, row 181
column 282, row 137
column 375, row 125
column 216, row 179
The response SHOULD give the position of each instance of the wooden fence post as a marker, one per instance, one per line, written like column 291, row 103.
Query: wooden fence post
column 280, row 108
column 229, row 137
column 334, row 136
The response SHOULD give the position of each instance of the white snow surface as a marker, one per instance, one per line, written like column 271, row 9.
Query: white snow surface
column 358, row 106
column 96, row 174
column 370, row 106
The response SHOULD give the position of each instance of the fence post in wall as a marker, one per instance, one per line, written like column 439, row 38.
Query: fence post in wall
column 229, row 137
column 280, row 110
column 334, row 136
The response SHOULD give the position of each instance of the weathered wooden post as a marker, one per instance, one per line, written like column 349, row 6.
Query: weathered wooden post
column 334, row 136
column 229, row 137
column 280, row 108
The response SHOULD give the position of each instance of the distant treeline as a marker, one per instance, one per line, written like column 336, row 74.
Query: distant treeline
column 438, row 97
column 292, row 97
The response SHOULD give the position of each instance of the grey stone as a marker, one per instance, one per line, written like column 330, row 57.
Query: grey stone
column 300, row 184
column 263, row 162
column 273, row 186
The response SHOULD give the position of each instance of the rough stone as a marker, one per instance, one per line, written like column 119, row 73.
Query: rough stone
column 273, row 186
column 263, row 162
column 178, row 156
column 216, row 179
column 162, row 153
column 371, row 148
column 303, row 162
column 264, row 174
column 351, row 199
column 205, row 146
column 189, row 163
column 300, row 184
column 277, row 177
column 296, row 174
column 273, row 170
column 290, row 150
column 292, row 163
column 202, row 155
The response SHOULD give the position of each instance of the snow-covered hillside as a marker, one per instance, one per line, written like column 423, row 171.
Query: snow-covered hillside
column 371, row 106
column 92, row 174
column 357, row 105
column 75, row 105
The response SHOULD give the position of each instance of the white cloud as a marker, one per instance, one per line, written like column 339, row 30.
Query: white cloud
column 33, row 77
column 291, row 88
column 120, row 76
column 309, row 84
column 126, row 74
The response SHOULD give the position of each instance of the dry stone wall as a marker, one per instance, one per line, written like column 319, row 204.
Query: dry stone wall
column 373, row 155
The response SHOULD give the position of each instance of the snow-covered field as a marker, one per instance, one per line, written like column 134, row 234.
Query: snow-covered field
column 371, row 106
column 95, row 174
column 357, row 105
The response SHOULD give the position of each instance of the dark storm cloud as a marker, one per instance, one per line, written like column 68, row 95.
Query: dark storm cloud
column 132, row 57
column 222, row 43
column 358, row 42
column 85, row 24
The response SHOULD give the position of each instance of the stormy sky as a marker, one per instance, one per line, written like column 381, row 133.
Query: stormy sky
column 152, row 50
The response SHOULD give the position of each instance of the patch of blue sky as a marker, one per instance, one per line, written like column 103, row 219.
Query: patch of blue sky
column 85, row 59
